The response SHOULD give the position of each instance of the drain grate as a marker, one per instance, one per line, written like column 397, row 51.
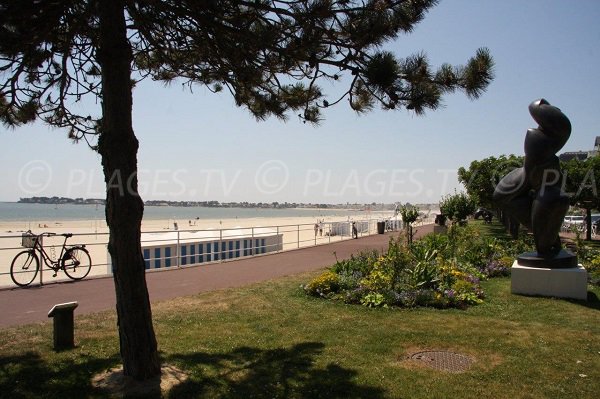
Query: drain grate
column 443, row 360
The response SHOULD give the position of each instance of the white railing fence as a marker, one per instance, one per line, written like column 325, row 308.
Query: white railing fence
column 190, row 247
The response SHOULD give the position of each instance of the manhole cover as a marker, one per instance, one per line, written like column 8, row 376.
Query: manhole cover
column 443, row 360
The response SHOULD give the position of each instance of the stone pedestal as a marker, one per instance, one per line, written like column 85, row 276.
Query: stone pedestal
column 559, row 283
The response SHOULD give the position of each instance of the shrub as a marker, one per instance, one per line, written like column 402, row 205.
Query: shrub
column 589, row 257
column 373, row 300
column 457, row 207
column 593, row 269
column 354, row 296
column 360, row 263
column 498, row 268
column 467, row 292
column 381, row 276
column 424, row 274
column 325, row 285
column 349, row 279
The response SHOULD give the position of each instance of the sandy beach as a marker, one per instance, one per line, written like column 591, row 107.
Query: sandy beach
column 296, row 232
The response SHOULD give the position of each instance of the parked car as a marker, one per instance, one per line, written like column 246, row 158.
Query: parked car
column 574, row 219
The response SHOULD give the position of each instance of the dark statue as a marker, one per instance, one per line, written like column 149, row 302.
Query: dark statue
column 532, row 194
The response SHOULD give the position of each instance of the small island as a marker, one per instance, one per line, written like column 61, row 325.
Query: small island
column 61, row 200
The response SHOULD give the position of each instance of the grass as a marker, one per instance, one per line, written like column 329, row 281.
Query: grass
column 270, row 340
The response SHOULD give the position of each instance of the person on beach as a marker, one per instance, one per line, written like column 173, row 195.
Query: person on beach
column 354, row 230
column 321, row 228
column 316, row 228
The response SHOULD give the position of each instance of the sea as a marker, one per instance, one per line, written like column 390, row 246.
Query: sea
column 13, row 211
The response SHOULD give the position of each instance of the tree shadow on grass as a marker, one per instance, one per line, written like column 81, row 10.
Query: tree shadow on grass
column 29, row 376
column 592, row 302
column 275, row 373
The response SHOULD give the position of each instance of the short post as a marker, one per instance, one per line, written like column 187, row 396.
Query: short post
column 178, row 251
column 279, row 247
column 221, row 255
column 63, row 325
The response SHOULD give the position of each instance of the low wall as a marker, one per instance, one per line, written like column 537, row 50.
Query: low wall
column 178, row 249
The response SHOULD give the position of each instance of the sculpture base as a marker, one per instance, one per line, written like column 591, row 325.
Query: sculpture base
column 563, row 260
column 549, row 282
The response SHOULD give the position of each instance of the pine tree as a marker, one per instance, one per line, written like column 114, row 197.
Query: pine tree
column 269, row 54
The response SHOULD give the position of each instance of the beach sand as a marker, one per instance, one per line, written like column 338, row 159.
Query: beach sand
column 297, row 232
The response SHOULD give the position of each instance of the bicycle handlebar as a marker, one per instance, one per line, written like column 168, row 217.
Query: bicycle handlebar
column 50, row 234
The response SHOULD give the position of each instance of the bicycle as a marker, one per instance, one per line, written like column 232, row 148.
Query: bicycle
column 75, row 260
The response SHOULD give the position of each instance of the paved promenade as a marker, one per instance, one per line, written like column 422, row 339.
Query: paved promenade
column 31, row 305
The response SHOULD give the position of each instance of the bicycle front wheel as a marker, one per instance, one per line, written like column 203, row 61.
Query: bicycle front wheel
column 24, row 268
column 76, row 263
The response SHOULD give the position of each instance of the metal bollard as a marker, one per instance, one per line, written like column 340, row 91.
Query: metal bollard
column 63, row 325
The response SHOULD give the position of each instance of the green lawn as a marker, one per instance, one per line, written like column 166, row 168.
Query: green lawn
column 270, row 340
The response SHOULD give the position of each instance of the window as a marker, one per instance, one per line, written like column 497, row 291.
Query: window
column 183, row 250
column 192, row 257
column 157, row 258
column 147, row 258
column 168, row 257
column 216, row 251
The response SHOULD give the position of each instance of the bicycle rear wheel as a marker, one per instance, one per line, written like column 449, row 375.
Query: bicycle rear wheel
column 76, row 263
column 24, row 268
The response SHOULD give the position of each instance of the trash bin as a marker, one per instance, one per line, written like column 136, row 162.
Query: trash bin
column 380, row 227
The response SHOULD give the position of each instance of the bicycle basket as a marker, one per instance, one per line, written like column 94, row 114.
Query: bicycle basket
column 28, row 240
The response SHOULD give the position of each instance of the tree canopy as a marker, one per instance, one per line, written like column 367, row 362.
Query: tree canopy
column 409, row 214
column 482, row 176
column 270, row 55
column 581, row 184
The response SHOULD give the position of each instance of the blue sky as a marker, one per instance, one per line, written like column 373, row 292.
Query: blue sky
column 201, row 147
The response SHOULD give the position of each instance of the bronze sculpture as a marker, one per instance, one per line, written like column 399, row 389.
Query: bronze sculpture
column 532, row 194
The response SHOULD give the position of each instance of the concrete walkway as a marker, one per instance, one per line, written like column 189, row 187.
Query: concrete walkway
column 31, row 305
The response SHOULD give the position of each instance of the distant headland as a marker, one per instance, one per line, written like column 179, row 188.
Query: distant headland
column 207, row 204
column 61, row 200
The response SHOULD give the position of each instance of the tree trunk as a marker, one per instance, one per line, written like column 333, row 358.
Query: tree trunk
column 588, row 224
column 513, row 227
column 124, row 208
column 505, row 221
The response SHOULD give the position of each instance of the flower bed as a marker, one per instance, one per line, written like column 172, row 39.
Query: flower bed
column 439, row 271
